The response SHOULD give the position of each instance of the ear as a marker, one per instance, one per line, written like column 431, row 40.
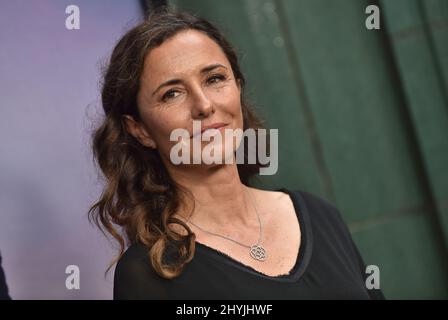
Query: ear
column 137, row 130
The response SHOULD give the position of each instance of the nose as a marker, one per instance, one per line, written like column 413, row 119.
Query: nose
column 202, row 105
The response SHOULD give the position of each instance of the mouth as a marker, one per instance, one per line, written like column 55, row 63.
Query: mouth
column 217, row 126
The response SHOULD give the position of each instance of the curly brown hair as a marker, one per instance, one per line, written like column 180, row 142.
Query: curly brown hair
column 139, row 195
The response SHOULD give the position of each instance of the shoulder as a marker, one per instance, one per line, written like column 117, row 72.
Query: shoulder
column 312, row 200
column 270, row 198
column 135, row 252
column 326, row 220
column 273, row 204
column 316, row 202
column 320, row 211
column 137, row 256
column 135, row 278
column 308, row 201
column 325, row 212
column 133, row 263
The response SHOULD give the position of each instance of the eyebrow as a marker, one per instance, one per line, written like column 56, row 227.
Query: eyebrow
column 177, row 81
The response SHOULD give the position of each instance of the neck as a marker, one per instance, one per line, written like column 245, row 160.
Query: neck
column 220, row 198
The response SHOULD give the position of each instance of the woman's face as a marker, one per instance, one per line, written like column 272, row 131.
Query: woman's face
column 186, row 78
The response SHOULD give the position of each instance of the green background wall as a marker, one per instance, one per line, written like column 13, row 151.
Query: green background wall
column 362, row 118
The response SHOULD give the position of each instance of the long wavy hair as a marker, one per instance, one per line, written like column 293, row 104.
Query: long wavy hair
column 139, row 197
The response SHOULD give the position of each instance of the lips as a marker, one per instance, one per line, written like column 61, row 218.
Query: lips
column 213, row 126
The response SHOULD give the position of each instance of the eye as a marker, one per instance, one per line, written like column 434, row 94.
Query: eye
column 216, row 78
column 170, row 94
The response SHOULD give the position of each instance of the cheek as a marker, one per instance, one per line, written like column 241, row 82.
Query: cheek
column 162, row 122
column 229, row 99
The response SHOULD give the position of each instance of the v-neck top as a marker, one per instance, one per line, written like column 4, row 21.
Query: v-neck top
column 328, row 266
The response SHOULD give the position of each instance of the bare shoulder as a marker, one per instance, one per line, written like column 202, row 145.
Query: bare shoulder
column 274, row 201
column 274, row 197
column 268, row 194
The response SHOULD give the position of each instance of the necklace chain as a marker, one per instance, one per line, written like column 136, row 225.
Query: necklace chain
column 256, row 251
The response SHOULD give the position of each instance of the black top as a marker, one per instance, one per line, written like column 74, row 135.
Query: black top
column 3, row 287
column 328, row 266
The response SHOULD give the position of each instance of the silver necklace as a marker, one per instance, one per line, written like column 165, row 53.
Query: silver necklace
column 257, row 252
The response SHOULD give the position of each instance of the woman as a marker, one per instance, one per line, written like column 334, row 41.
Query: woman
column 199, row 230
